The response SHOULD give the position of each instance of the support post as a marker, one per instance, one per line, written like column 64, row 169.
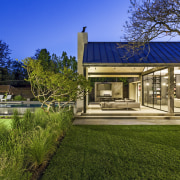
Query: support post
column 171, row 90
column 142, row 90
column 84, row 73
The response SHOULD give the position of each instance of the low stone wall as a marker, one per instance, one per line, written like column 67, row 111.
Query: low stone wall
column 21, row 110
column 9, row 111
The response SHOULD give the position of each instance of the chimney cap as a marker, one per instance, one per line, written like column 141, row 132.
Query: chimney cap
column 84, row 29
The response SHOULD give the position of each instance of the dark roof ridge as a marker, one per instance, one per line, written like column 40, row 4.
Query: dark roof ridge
column 127, row 42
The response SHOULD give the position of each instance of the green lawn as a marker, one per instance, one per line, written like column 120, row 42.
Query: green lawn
column 6, row 122
column 117, row 152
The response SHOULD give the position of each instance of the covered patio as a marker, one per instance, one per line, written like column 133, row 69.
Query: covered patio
column 153, row 80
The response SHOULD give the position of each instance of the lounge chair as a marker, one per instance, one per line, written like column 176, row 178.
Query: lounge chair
column 1, row 97
column 7, row 98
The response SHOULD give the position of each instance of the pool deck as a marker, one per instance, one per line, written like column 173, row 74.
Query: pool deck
column 145, row 116
column 125, row 122
column 97, row 120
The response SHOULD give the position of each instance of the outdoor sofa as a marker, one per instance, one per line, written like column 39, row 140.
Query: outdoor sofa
column 119, row 104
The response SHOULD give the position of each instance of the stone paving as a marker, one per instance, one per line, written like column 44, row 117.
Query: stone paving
column 141, row 121
column 125, row 122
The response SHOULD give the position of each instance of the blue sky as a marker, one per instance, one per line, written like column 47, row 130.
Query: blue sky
column 27, row 25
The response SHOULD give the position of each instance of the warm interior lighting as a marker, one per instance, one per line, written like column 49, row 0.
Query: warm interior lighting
column 176, row 71
column 164, row 71
column 164, row 84
column 105, row 93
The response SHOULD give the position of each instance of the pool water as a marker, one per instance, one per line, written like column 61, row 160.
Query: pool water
column 19, row 105
column 23, row 105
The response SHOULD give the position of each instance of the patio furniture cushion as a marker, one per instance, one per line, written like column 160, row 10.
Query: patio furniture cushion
column 7, row 98
column 119, row 105
column 1, row 97
column 134, row 105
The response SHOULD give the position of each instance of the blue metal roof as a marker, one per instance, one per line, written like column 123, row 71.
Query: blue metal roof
column 110, row 52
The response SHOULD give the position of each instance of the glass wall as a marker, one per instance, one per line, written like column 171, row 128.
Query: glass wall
column 177, row 89
column 164, row 90
column 155, row 90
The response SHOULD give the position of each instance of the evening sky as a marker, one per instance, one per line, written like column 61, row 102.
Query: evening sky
column 28, row 25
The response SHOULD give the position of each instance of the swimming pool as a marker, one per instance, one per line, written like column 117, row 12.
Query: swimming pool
column 8, row 108
column 20, row 105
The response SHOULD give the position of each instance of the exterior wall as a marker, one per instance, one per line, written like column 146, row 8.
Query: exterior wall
column 82, row 39
column 25, row 92
column 133, row 91
column 116, row 88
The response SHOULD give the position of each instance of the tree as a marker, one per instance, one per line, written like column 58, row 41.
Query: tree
column 66, row 62
column 153, row 18
column 4, row 54
column 17, row 73
column 150, row 19
column 49, row 86
column 44, row 56
column 4, row 60
column 56, row 63
column 10, row 69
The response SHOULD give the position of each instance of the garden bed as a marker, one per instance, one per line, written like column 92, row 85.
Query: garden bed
column 27, row 143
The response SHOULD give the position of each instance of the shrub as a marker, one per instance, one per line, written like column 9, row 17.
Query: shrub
column 66, row 117
column 40, row 147
column 18, row 98
column 11, row 168
column 30, row 142
column 12, row 157
column 15, row 119
column 28, row 121
column 40, row 118
column 4, row 132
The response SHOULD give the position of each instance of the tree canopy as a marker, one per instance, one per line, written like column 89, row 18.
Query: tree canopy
column 11, row 71
column 56, row 63
column 152, row 18
column 4, row 54
column 148, row 20
column 49, row 86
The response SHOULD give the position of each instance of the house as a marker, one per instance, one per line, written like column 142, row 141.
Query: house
column 154, row 73
column 25, row 92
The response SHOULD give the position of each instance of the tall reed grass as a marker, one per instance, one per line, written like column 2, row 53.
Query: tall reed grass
column 30, row 142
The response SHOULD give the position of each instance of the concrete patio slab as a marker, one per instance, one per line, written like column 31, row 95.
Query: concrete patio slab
column 125, row 122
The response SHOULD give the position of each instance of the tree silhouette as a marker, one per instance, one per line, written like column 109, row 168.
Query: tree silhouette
column 150, row 19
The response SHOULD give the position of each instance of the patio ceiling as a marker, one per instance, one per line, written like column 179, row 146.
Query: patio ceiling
column 114, row 71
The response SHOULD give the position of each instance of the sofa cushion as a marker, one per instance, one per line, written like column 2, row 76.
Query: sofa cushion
column 119, row 105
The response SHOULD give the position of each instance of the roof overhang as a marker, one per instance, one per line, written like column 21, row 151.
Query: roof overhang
column 131, row 64
column 99, row 71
